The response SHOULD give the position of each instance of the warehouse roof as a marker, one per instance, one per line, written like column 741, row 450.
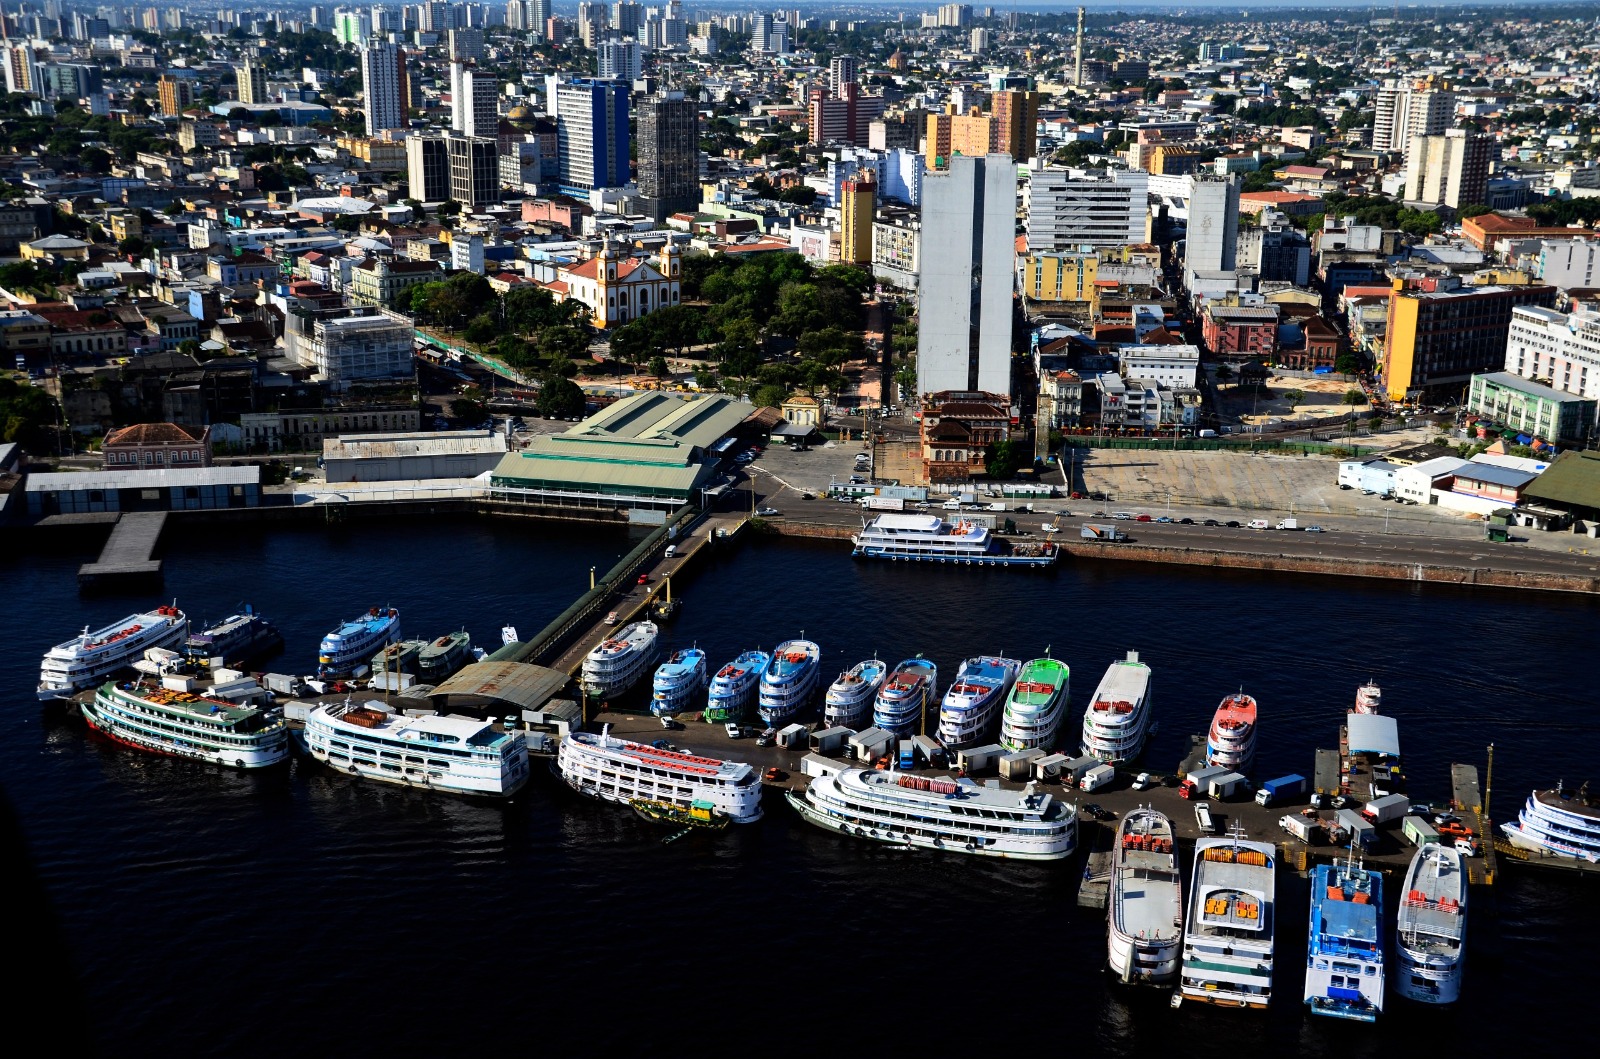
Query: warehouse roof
column 1572, row 481
column 432, row 443
column 165, row 478
column 1373, row 733
column 516, row 684
column 1487, row 472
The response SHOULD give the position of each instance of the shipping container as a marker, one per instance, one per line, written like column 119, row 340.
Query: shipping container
column 870, row 745
column 1418, row 830
column 979, row 757
column 1358, row 827
column 1049, row 766
column 1199, row 780
column 1019, row 766
column 793, row 737
column 829, row 741
column 1228, row 785
column 930, row 751
column 1072, row 771
column 1304, row 828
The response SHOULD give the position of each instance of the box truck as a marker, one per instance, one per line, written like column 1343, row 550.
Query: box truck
column 1305, row 828
column 1228, row 785
column 1097, row 532
column 1097, row 777
column 1282, row 789
column 1199, row 781
column 1382, row 810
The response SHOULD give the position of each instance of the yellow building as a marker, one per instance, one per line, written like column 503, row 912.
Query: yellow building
column 1173, row 160
column 177, row 95
column 1061, row 277
column 974, row 134
column 855, row 219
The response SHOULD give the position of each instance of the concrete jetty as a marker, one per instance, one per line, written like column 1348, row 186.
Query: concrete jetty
column 127, row 552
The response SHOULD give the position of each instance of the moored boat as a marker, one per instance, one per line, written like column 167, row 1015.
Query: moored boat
column 1430, row 931
column 922, row 812
column 700, row 814
column 236, row 639
column 1229, row 931
column 1117, row 720
column 616, row 770
column 1344, row 958
column 89, row 658
column 349, row 647
column 733, row 688
column 441, row 658
column 1368, row 696
column 1038, row 701
column 1144, row 915
column 677, row 681
column 848, row 701
column 972, row 704
column 1559, row 822
column 617, row 663
column 928, row 538
column 1231, row 742
column 790, row 680
column 398, row 657
column 176, row 721
column 439, row 752
column 903, row 700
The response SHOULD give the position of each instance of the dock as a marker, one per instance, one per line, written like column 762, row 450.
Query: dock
column 127, row 555
column 1466, row 798
column 1095, row 889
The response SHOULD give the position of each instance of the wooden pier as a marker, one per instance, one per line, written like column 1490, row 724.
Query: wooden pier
column 1466, row 797
column 127, row 555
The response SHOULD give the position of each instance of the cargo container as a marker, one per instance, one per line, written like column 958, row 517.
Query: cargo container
column 1288, row 524
column 829, row 741
column 1228, row 785
column 883, row 503
column 1049, row 767
column 978, row 758
column 1390, row 807
column 817, row 765
column 391, row 681
column 870, row 745
column 793, row 737
column 1357, row 827
column 1019, row 766
column 1274, row 792
column 1199, row 781
column 907, row 758
column 1097, row 777
column 931, row 752
column 1417, row 829
column 1305, row 828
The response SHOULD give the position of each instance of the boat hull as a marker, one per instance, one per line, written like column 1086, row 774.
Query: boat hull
column 861, row 552
column 273, row 752
column 1427, row 981
column 895, row 838
column 1141, row 962
column 417, row 782
column 66, row 677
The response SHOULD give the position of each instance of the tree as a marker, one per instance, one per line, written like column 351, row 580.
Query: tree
column 1349, row 363
column 559, row 398
column 1475, row 210
column 564, row 343
column 658, row 366
column 469, row 408
column 769, row 396
column 1354, row 397
column 1001, row 460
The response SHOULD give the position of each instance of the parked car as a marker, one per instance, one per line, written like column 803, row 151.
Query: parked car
column 1164, row 520
column 1233, row 523
column 670, row 725
column 767, row 512
column 1315, row 529
column 1210, row 522
column 611, row 619
column 1144, row 518
column 1186, row 522
column 735, row 731
column 1099, row 812
column 1143, row 782
column 1123, row 516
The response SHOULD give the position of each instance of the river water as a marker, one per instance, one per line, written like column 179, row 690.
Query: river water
column 191, row 911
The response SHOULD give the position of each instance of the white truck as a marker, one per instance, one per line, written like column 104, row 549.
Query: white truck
column 1288, row 524
column 1202, row 818
column 883, row 503
column 1097, row 777
column 1306, row 828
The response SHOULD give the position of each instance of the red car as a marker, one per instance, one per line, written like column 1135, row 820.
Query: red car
column 644, row 579
column 1142, row 518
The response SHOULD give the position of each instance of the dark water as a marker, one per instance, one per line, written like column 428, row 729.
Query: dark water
column 202, row 912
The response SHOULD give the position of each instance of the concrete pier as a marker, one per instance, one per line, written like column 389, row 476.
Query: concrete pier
column 127, row 552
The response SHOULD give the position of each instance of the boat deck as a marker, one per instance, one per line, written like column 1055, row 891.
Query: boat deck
column 1150, row 900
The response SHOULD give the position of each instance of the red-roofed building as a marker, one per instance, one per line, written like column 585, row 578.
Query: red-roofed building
column 1484, row 230
column 618, row 289
column 152, row 446
column 1289, row 203
column 957, row 429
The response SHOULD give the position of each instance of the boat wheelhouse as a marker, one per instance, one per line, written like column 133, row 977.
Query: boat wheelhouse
column 924, row 812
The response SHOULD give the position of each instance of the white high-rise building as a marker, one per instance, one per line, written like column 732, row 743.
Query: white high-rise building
column 1571, row 264
column 1071, row 208
column 841, row 72
column 1212, row 242
column 474, row 102
column 620, row 60
column 1558, row 349
column 380, row 86
column 1452, row 169
column 964, row 290
column 1403, row 111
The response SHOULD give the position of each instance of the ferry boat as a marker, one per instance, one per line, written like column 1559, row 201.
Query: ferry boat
column 440, row 659
column 439, row 752
column 508, row 635
column 236, row 639
column 616, row 770
column 350, row 645
column 1232, row 740
column 1037, row 703
column 734, row 686
column 1344, row 958
column 698, row 815
column 1117, row 721
column 848, row 701
column 398, row 657
column 677, row 681
column 972, row 704
column 1558, row 823
column 1228, row 935
column 1144, row 922
column 180, row 723
column 929, row 538
column 618, row 662
column 87, row 660
column 922, row 812
column 1430, row 933
column 903, row 700
column 1368, row 696
column 790, row 680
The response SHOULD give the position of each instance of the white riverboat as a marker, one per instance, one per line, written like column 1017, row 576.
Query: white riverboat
column 904, row 698
column 848, row 701
column 929, row 538
column 177, row 722
column 439, row 752
column 90, row 658
column 1144, row 918
column 931, row 813
column 1559, row 823
column 677, row 681
column 1344, row 956
column 616, row 770
column 789, row 682
column 1228, row 935
column 1036, row 705
column 618, row 662
column 354, row 642
column 1117, row 721
column 1430, row 932
column 970, row 710
column 734, row 687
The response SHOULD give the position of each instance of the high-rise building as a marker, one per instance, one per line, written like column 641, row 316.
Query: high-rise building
column 1559, row 349
column 974, row 134
column 1016, row 115
column 474, row 170
column 855, row 219
column 841, row 72
column 466, row 45
column 1437, row 340
column 627, row 17
column 621, row 60
column 1072, row 208
column 592, row 130
column 1402, row 111
column 428, row 168
column 383, row 87
column 964, row 289
column 669, row 155
column 937, row 145
column 1452, row 169
column 1212, row 241
column 252, row 79
column 176, row 95
column 954, row 16
column 474, row 101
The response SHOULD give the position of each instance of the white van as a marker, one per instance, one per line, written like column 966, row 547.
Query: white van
column 1258, row 523
column 952, row 504
column 671, row 552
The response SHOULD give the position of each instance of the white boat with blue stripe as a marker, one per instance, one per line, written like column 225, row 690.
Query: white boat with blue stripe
column 678, row 680
column 929, row 538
